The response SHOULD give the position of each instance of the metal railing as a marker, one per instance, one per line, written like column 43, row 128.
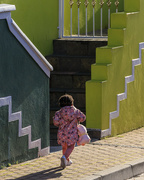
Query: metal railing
column 95, row 5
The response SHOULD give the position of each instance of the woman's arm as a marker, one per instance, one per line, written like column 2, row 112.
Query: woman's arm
column 80, row 116
column 56, row 119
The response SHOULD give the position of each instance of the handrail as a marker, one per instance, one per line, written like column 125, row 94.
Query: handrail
column 85, row 6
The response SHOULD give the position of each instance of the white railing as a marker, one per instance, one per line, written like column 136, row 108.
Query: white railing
column 99, row 4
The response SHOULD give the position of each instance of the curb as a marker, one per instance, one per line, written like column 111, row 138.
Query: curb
column 121, row 172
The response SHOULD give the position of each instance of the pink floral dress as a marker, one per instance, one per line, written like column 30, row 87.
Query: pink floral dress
column 67, row 119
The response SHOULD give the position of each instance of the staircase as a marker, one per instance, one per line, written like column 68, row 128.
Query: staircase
column 71, row 60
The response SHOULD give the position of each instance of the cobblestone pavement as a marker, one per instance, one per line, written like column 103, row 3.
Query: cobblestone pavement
column 87, row 160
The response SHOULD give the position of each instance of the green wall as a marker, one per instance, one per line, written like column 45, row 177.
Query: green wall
column 24, row 80
column 38, row 19
column 113, row 63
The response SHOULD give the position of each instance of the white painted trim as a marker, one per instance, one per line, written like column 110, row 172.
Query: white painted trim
column 7, row 7
column 23, row 131
column 60, row 19
column 23, row 39
column 122, row 96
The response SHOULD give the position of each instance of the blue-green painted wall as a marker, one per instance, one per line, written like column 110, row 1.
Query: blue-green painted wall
column 21, row 78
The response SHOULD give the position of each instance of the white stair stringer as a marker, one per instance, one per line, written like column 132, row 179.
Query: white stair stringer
column 122, row 96
column 23, row 131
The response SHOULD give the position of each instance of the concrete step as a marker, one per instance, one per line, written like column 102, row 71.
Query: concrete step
column 71, row 63
column 71, row 60
column 53, row 135
column 78, row 47
column 69, row 79
column 78, row 95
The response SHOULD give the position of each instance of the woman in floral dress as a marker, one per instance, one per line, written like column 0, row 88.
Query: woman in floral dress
column 67, row 119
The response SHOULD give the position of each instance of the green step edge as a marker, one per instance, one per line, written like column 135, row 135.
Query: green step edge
column 131, row 5
column 104, row 54
column 116, row 37
column 118, row 20
column 99, row 72
column 94, row 104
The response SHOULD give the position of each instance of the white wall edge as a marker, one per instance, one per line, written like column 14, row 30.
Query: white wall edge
column 23, row 39
column 7, row 7
column 23, row 131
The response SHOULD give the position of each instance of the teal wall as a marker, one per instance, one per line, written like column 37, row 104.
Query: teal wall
column 21, row 78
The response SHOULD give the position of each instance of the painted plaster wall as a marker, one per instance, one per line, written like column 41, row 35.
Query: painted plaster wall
column 21, row 78
column 38, row 20
column 89, row 15
column 113, row 63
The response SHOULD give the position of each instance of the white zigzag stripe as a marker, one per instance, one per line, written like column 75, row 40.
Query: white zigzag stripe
column 23, row 131
column 123, row 96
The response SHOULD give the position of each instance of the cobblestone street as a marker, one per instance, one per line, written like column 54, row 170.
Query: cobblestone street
column 87, row 160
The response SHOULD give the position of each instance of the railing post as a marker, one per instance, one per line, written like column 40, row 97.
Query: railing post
column 93, row 4
column 71, row 4
column 109, row 4
column 101, row 4
column 116, row 4
column 60, row 19
column 78, row 3
column 86, row 5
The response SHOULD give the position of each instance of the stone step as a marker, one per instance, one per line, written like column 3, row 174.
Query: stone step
column 54, row 129
column 71, row 60
column 78, row 95
column 53, row 143
column 78, row 47
column 71, row 63
column 69, row 80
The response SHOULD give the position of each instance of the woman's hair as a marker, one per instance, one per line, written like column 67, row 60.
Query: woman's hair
column 66, row 100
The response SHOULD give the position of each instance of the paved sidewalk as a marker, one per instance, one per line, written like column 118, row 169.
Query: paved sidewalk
column 139, row 177
column 108, row 159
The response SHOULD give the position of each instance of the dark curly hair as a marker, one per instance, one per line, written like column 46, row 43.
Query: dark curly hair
column 66, row 100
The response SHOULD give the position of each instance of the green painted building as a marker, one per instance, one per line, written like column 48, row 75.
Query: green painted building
column 41, row 20
column 114, row 95
column 24, row 94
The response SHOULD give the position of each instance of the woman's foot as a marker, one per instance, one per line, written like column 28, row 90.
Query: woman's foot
column 68, row 162
column 63, row 162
